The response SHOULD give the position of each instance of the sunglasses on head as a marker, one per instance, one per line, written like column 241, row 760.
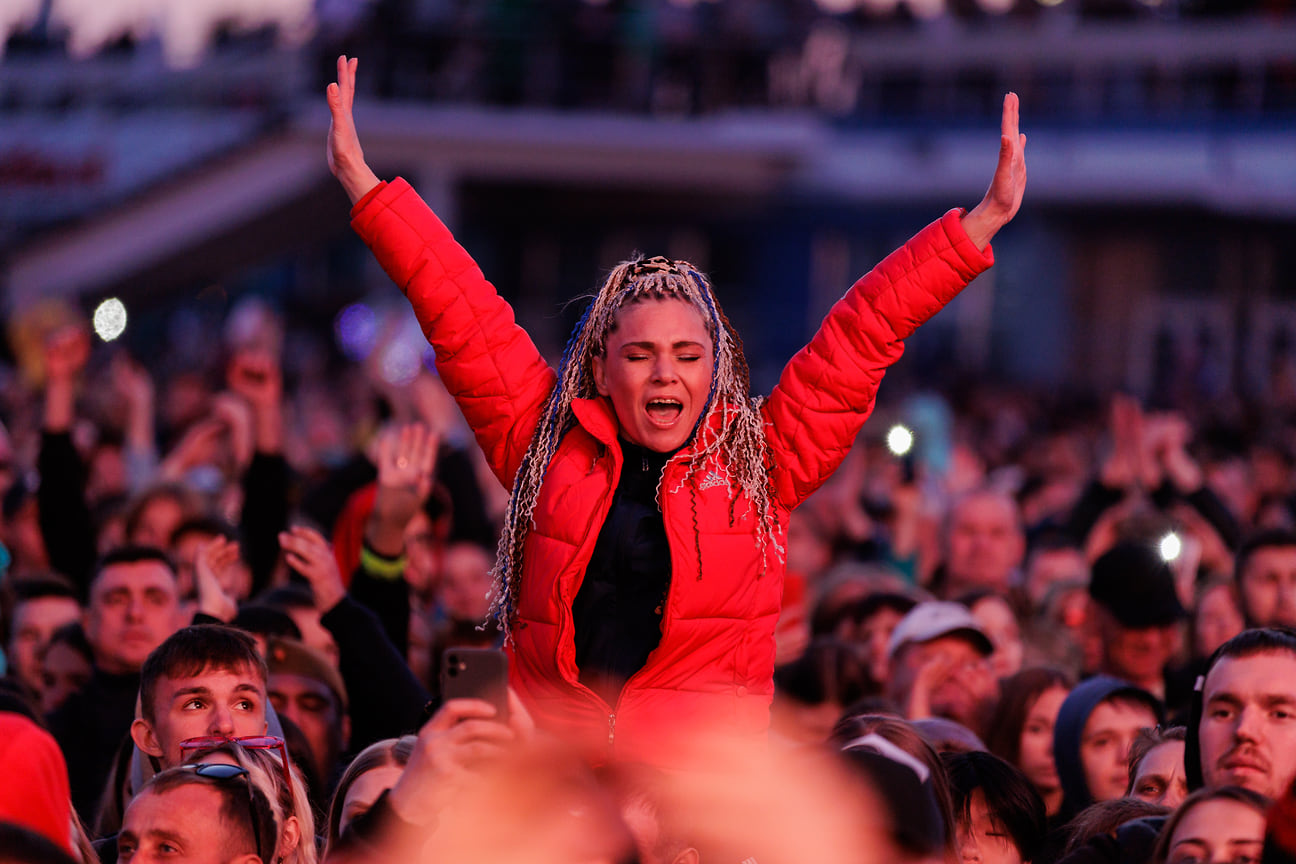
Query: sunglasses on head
column 221, row 771
column 250, row 742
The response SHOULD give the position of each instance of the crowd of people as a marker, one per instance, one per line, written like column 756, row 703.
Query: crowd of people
column 1062, row 643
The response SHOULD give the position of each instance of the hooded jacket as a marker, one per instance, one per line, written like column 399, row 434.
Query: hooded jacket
column 1067, row 732
column 713, row 668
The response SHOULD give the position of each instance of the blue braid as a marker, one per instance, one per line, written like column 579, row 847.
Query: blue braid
column 574, row 338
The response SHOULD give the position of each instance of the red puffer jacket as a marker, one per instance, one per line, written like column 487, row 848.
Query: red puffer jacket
column 713, row 669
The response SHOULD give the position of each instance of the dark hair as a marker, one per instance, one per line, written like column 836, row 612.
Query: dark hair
column 1018, row 694
column 263, row 620
column 948, row 736
column 133, row 555
column 1248, row 643
column 902, row 734
column 1145, row 742
column 291, row 596
column 235, row 810
column 1218, row 793
column 1051, row 539
column 23, row 845
column 1105, row 817
column 829, row 671
column 391, row 751
column 1011, row 800
column 72, row 635
column 44, row 585
column 209, row 525
column 193, row 650
column 188, row 500
column 830, row 612
column 1270, row 539
column 15, row 592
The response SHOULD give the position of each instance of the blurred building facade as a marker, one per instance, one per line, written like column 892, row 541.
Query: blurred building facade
column 783, row 145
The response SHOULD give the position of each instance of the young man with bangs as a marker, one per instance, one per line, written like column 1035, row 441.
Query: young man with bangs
column 206, row 679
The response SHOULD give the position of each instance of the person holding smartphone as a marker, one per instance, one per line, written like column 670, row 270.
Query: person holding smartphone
column 640, row 569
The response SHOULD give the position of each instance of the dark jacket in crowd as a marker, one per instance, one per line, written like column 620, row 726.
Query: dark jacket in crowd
column 89, row 727
column 385, row 699
column 1067, row 733
column 1069, row 729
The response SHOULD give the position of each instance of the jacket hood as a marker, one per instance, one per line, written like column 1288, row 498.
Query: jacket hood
column 1072, row 717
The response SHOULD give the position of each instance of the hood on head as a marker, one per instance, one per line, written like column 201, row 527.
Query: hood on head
column 1072, row 717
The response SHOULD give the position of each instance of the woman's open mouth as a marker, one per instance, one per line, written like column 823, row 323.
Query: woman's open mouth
column 664, row 411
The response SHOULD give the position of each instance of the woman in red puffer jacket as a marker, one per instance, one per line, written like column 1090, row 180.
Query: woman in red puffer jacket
column 640, row 568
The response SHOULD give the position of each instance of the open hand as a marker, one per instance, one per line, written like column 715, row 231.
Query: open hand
column 254, row 374
column 67, row 350
column 1004, row 197
column 452, row 747
column 215, row 570
column 310, row 554
column 345, row 157
column 406, row 456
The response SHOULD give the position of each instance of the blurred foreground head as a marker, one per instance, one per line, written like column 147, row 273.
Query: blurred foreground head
column 541, row 804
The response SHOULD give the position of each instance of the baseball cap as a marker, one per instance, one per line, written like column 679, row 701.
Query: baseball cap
column 934, row 619
column 1137, row 586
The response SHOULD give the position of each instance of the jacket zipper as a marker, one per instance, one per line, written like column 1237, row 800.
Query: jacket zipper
column 611, row 729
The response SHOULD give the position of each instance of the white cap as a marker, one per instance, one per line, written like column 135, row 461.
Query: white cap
column 932, row 620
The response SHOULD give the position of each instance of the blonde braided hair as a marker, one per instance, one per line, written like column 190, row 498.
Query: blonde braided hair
column 738, row 436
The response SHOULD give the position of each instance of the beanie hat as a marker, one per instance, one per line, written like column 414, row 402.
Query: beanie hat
column 35, row 793
column 290, row 657
column 1134, row 584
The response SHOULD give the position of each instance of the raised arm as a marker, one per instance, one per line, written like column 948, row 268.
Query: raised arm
column 828, row 389
column 345, row 157
column 486, row 360
column 1003, row 199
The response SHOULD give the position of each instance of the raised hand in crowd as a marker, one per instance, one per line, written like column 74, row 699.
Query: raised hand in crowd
column 948, row 685
column 345, row 156
column 236, row 415
column 254, row 374
column 201, row 444
column 1167, row 437
column 215, row 571
column 1128, row 465
column 133, row 385
column 433, row 405
column 67, row 351
column 1008, row 185
column 461, row 738
column 406, row 456
column 310, row 555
